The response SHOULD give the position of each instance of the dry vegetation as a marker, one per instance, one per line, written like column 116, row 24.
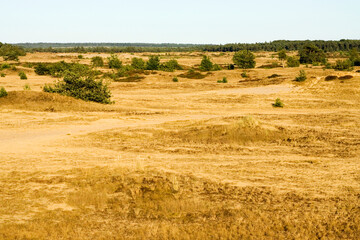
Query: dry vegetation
column 187, row 160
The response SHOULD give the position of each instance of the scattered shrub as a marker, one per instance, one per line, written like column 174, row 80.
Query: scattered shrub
column 216, row 67
column 244, row 59
column 11, row 52
column 138, row 63
column 244, row 75
column 22, row 75
column 80, row 57
column 346, row 77
column 274, row 76
column 330, row 78
column 3, row 92
column 301, row 77
column 292, row 62
column 2, row 74
column 170, row 66
column 206, row 64
column 58, row 69
column 81, row 87
column 278, row 103
column 4, row 66
column 175, row 79
column 27, row 87
column 271, row 65
column 343, row 65
column 135, row 78
column 114, row 62
column 97, row 61
column 282, row 55
column 231, row 66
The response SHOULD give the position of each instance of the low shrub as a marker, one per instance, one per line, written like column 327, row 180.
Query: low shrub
column 27, row 87
column 135, row 78
column 271, row 65
column 138, row 63
column 206, row 64
column 58, row 69
column 301, row 77
column 346, row 77
column 293, row 62
column 330, row 78
column 244, row 75
column 114, row 62
column 97, row 61
column 343, row 65
column 2, row 74
column 224, row 80
column 274, row 76
column 175, row 79
column 170, row 66
column 81, row 87
column 153, row 63
column 3, row 92
column 22, row 75
column 216, row 67
column 191, row 74
column 231, row 67
column 278, row 103
column 80, row 57
column 4, row 66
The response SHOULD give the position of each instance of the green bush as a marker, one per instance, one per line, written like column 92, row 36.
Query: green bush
column 153, row 63
column 191, row 74
column 97, row 61
column 216, row 67
column 11, row 52
column 82, row 87
column 3, row 92
column 292, row 62
column 206, row 64
column 244, row 75
column 4, row 66
column 282, row 55
column 310, row 54
column 343, row 65
column 170, row 66
column 80, row 56
column 301, row 77
column 114, row 62
column 22, row 75
column 58, row 69
column 244, row 59
column 231, row 67
column 224, row 80
column 278, row 103
column 175, row 79
column 2, row 74
column 138, row 63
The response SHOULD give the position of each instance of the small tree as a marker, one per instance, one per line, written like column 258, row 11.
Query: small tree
column 282, row 56
column 206, row 64
column 138, row 63
column 244, row 59
column 153, row 63
column 114, row 62
column 97, row 61
column 292, row 62
column 310, row 54
column 170, row 66
column 301, row 77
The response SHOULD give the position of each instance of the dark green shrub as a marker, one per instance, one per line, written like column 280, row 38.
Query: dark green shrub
column 11, row 52
column 345, row 65
column 42, row 69
column 206, row 64
column 310, row 54
column 192, row 75
column 330, row 78
column 231, row 67
column 301, row 77
column 244, row 59
column 224, row 80
column 346, row 77
column 114, row 62
column 175, row 79
column 59, row 68
column 4, row 66
column 97, row 61
column 282, row 55
column 22, row 75
column 216, row 67
column 82, row 87
column 292, row 62
column 278, row 103
column 153, row 63
column 2, row 74
column 138, row 63
column 3, row 92
column 80, row 57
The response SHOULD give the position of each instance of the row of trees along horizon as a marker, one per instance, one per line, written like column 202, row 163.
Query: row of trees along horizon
column 274, row 46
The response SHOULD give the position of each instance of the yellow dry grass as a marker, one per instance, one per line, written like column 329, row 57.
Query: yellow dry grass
column 187, row 160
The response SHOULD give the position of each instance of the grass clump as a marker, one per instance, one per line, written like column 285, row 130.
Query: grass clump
column 175, row 79
column 274, row 76
column 278, row 103
column 302, row 76
column 3, row 92
column 22, row 75
column 27, row 87
column 2, row 74
column 192, row 74
column 81, row 87
column 244, row 75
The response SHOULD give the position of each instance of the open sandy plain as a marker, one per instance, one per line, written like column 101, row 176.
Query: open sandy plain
column 194, row 159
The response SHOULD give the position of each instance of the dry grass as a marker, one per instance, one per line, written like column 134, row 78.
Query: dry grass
column 192, row 160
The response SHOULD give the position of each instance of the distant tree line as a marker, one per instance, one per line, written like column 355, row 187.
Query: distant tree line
column 326, row 46
column 11, row 52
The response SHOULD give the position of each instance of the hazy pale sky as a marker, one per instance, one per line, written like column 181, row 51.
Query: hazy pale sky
column 186, row 21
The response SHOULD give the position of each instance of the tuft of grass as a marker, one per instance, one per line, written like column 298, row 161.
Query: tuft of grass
column 244, row 75
column 175, row 79
column 301, row 77
column 224, row 80
column 2, row 74
column 27, row 87
column 278, row 103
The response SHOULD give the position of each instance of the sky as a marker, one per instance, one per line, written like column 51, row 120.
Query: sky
column 181, row 21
